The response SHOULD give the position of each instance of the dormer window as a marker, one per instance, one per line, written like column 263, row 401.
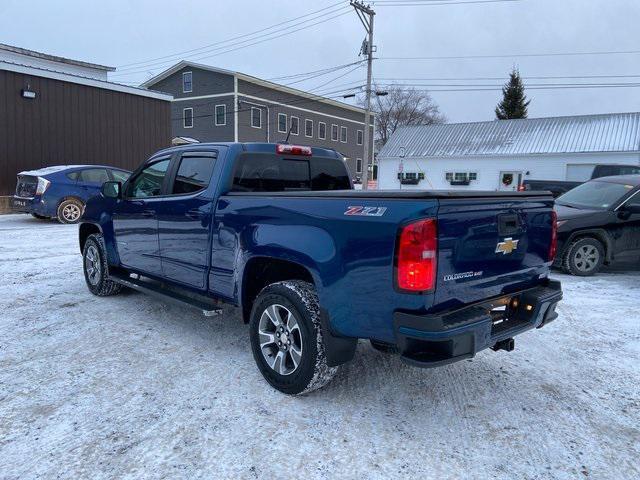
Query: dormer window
column 187, row 82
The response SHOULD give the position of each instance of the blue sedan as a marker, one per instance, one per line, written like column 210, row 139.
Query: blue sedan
column 61, row 191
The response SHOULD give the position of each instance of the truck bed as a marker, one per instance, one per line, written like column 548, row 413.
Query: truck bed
column 400, row 194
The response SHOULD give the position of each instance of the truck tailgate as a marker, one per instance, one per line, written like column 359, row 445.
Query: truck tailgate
column 490, row 247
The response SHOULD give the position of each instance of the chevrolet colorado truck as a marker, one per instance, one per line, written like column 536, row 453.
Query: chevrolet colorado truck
column 277, row 230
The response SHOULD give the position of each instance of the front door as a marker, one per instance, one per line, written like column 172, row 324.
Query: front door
column 135, row 223
column 509, row 181
column 628, row 224
column 184, row 220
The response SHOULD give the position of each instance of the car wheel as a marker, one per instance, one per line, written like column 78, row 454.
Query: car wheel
column 70, row 211
column 94, row 261
column 39, row 217
column 286, row 338
column 584, row 257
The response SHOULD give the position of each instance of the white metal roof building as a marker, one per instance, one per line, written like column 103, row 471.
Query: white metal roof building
column 481, row 155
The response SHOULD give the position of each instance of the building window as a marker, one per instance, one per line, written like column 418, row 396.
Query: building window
column 308, row 128
column 360, row 137
column 295, row 125
column 221, row 115
column 256, row 117
column 358, row 165
column 187, row 82
column 187, row 118
column 460, row 178
column 343, row 134
column 282, row 122
column 322, row 130
column 334, row 132
column 473, row 176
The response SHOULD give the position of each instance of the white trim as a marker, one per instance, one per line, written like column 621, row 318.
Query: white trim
column 305, row 127
column 235, row 108
column 324, row 137
column 337, row 133
column 346, row 134
column 259, row 117
column 358, row 160
column 291, row 125
column 261, row 99
column 286, row 122
column 358, row 133
column 202, row 97
column 183, row 75
column 215, row 114
column 184, row 117
column 90, row 82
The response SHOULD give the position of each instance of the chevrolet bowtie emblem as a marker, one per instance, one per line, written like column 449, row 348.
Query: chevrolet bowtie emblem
column 508, row 246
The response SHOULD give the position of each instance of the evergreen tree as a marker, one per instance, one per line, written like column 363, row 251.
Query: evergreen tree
column 514, row 102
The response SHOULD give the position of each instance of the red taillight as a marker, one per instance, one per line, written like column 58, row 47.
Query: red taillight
column 553, row 248
column 284, row 149
column 416, row 256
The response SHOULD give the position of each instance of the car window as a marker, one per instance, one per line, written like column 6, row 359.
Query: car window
column 120, row 176
column 148, row 183
column 73, row 176
column 270, row 173
column 595, row 194
column 94, row 175
column 194, row 173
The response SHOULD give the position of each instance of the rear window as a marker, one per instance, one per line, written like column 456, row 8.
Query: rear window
column 271, row 173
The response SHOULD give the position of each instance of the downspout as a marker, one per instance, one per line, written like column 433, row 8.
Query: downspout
column 235, row 108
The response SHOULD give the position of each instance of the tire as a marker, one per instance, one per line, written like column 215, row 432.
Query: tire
column 39, row 217
column 584, row 257
column 70, row 211
column 94, row 265
column 289, row 312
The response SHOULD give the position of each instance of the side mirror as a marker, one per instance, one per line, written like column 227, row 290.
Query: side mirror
column 112, row 190
column 631, row 209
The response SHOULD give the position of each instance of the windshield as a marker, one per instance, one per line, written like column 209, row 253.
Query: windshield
column 596, row 195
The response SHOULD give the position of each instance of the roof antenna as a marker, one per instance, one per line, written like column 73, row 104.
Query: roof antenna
column 286, row 140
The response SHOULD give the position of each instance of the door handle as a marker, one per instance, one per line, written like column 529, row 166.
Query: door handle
column 194, row 214
column 148, row 213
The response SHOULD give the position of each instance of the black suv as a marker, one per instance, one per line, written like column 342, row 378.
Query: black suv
column 598, row 222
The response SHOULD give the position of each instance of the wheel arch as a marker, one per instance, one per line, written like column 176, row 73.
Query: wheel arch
column 598, row 233
column 84, row 230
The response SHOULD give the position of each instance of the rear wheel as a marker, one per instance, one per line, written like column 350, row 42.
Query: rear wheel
column 94, row 261
column 286, row 338
column 70, row 211
column 584, row 257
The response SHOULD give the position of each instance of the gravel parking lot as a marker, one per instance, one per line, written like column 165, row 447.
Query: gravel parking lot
column 128, row 387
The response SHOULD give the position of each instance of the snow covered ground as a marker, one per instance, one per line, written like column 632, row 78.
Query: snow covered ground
column 128, row 387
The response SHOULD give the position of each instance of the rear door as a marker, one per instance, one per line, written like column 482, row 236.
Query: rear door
column 135, row 222
column 184, row 219
column 490, row 246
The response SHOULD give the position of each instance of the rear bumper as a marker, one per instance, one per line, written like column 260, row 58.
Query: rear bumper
column 35, row 204
column 433, row 340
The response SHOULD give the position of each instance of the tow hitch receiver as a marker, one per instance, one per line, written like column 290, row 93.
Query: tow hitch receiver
column 507, row 345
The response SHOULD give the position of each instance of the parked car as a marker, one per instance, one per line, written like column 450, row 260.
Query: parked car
column 558, row 187
column 61, row 191
column 276, row 230
column 599, row 222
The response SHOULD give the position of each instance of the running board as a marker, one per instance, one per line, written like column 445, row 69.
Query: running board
column 208, row 307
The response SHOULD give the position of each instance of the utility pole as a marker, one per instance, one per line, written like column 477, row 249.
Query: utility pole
column 366, row 14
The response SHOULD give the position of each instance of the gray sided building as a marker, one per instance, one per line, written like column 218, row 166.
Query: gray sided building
column 215, row 105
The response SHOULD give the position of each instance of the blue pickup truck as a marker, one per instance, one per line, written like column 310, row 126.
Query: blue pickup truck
column 432, row 276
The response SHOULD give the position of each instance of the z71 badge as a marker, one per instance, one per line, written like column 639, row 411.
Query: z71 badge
column 366, row 211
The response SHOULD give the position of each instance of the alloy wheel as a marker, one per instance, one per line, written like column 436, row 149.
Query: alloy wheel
column 92, row 265
column 280, row 339
column 71, row 212
column 586, row 258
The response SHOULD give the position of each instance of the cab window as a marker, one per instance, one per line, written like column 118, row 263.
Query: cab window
column 194, row 173
column 148, row 183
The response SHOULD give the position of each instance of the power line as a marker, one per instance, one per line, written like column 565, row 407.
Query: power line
column 523, row 55
column 185, row 52
column 543, row 77
column 243, row 44
column 409, row 3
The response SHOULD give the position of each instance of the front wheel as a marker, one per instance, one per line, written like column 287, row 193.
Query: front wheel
column 584, row 257
column 286, row 338
column 94, row 261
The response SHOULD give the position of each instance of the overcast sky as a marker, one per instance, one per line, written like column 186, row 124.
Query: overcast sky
column 119, row 32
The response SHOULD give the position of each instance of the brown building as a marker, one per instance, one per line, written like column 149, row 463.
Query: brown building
column 56, row 111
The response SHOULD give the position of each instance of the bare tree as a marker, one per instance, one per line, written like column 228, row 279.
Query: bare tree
column 403, row 106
